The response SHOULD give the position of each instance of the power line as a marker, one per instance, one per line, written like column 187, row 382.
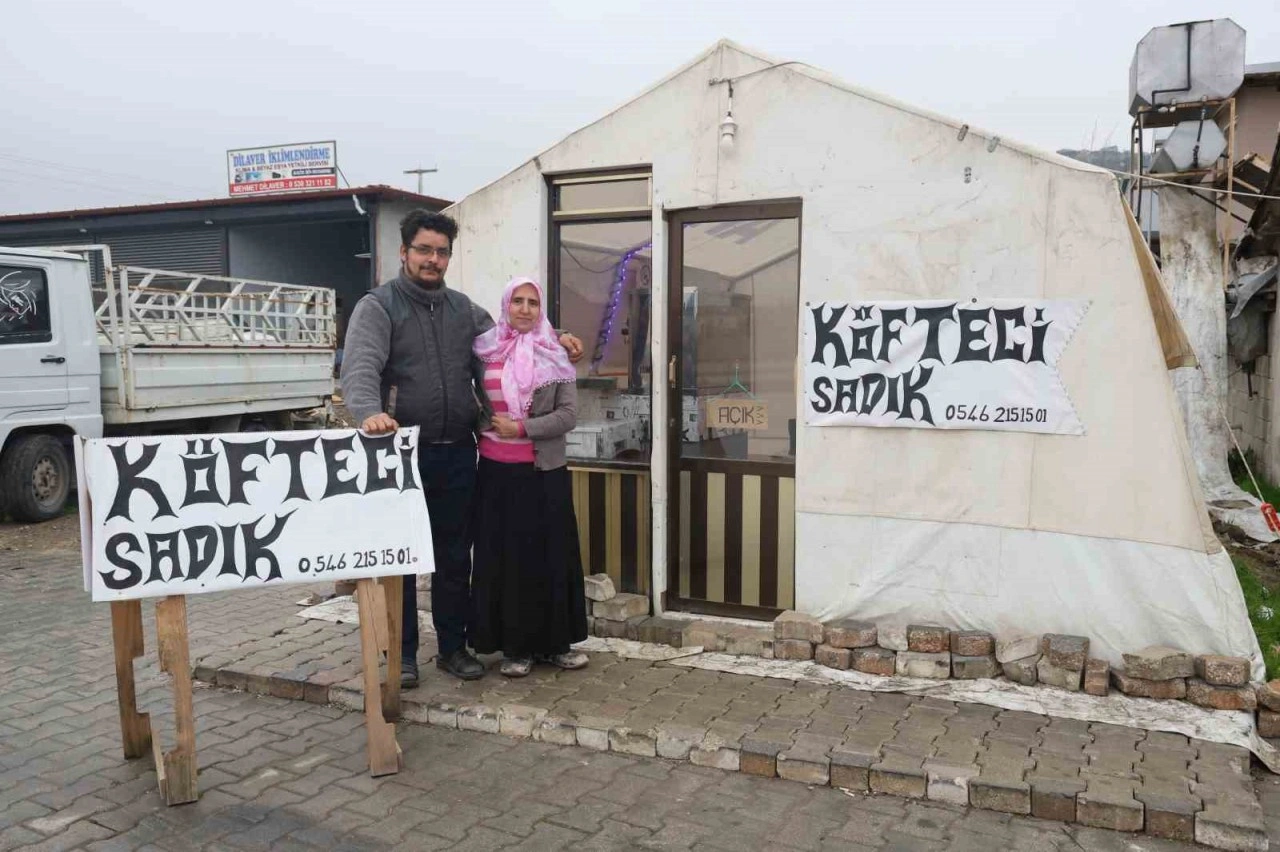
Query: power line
column 32, row 161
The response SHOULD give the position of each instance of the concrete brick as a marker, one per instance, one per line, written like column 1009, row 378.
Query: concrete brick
column 1169, row 816
column 1268, row 723
column 631, row 627
column 797, row 626
column 806, row 764
column 936, row 666
column 620, row 607
column 973, row 667
column 892, row 637
column 1054, row 798
column 928, row 639
column 443, row 714
column 750, row 641
column 1063, row 678
column 851, row 767
column 832, row 657
column 707, row 635
column 519, row 720
column 674, row 741
column 716, row 752
column 1141, row 688
column 1000, row 793
column 792, row 649
column 973, row 643
column 851, row 633
column 663, row 630
column 556, row 730
column 1097, row 677
column 1218, row 670
column 599, row 587
column 898, row 775
column 1024, row 671
column 1065, row 652
column 1232, row 827
column 759, row 756
column 1268, row 695
column 949, row 782
column 633, row 742
column 1111, row 805
column 478, row 717
column 596, row 739
column 876, row 661
column 1017, row 647
column 1159, row 662
column 608, row 629
column 1221, row 697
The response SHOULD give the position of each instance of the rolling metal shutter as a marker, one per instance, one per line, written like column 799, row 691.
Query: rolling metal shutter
column 201, row 251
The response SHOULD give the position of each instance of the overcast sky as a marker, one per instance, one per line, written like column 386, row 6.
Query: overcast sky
column 112, row 102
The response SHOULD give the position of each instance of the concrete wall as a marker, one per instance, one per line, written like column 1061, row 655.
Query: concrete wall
column 1250, row 416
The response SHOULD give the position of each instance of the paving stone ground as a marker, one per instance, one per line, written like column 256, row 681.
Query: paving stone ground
column 291, row 774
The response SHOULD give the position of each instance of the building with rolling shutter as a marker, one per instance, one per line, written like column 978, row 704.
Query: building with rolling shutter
column 347, row 239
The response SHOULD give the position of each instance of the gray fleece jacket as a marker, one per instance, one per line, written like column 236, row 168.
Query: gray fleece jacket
column 419, row 341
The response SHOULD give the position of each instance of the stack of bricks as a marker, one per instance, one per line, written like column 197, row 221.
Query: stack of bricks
column 614, row 615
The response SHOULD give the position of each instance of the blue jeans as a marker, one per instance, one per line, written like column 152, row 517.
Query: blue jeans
column 448, row 477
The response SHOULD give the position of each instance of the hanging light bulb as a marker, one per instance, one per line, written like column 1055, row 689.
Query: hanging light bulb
column 728, row 130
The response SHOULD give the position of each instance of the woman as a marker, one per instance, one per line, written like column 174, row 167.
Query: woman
column 526, row 586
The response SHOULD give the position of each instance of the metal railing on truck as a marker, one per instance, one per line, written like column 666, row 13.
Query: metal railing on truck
column 138, row 306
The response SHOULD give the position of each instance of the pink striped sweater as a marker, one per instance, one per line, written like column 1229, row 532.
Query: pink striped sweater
column 495, row 448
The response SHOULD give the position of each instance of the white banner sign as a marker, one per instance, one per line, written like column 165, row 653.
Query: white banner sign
column 283, row 168
column 187, row 514
column 982, row 364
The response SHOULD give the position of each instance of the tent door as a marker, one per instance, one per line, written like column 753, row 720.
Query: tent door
column 734, row 310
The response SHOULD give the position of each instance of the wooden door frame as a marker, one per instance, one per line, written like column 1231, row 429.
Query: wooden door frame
column 675, row 221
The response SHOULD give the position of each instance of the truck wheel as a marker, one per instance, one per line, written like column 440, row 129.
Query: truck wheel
column 35, row 476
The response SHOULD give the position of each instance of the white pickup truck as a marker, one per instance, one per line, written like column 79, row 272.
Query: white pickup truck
column 88, row 348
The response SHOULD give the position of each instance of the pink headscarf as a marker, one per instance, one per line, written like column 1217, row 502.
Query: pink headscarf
column 529, row 361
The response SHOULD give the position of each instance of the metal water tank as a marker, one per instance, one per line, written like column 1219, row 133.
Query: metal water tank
column 1182, row 63
column 1192, row 145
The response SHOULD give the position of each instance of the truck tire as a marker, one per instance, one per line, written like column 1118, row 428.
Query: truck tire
column 35, row 476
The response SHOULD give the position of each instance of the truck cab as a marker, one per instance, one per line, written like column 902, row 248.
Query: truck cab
column 49, row 377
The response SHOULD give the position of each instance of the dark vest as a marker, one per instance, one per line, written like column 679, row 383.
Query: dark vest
column 430, row 362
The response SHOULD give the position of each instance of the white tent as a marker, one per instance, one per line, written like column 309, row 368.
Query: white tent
column 1102, row 534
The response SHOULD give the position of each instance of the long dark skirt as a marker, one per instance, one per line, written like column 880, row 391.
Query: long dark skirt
column 526, row 586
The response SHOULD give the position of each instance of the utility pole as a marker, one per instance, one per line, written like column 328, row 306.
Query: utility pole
column 419, row 173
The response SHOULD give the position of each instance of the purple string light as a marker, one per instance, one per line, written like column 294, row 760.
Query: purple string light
column 605, row 335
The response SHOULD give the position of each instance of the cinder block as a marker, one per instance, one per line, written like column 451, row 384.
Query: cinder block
column 798, row 625
column 851, row 633
column 973, row 643
column 1159, row 662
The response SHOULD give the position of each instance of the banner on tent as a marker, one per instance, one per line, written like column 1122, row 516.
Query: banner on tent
column 187, row 514
column 983, row 364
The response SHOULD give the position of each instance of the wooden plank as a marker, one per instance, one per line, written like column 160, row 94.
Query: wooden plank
column 597, row 514
column 630, row 516
column 733, row 512
column 393, row 590
column 698, row 536
column 177, row 768
column 768, row 541
column 126, row 636
column 384, row 752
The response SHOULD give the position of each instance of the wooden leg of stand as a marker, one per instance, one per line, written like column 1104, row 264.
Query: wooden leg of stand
column 393, row 588
column 126, row 635
column 177, row 767
column 384, row 751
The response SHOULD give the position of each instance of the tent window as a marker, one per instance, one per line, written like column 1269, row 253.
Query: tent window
column 603, row 193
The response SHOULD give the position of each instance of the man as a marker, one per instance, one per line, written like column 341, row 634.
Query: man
column 415, row 334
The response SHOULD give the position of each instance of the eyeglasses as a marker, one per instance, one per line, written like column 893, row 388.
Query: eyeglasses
column 429, row 251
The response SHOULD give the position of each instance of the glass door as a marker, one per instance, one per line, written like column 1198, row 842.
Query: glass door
column 734, row 315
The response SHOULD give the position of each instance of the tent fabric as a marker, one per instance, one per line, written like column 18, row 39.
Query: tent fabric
column 1104, row 534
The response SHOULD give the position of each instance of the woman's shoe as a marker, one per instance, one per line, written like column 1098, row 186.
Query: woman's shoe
column 569, row 660
column 516, row 666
